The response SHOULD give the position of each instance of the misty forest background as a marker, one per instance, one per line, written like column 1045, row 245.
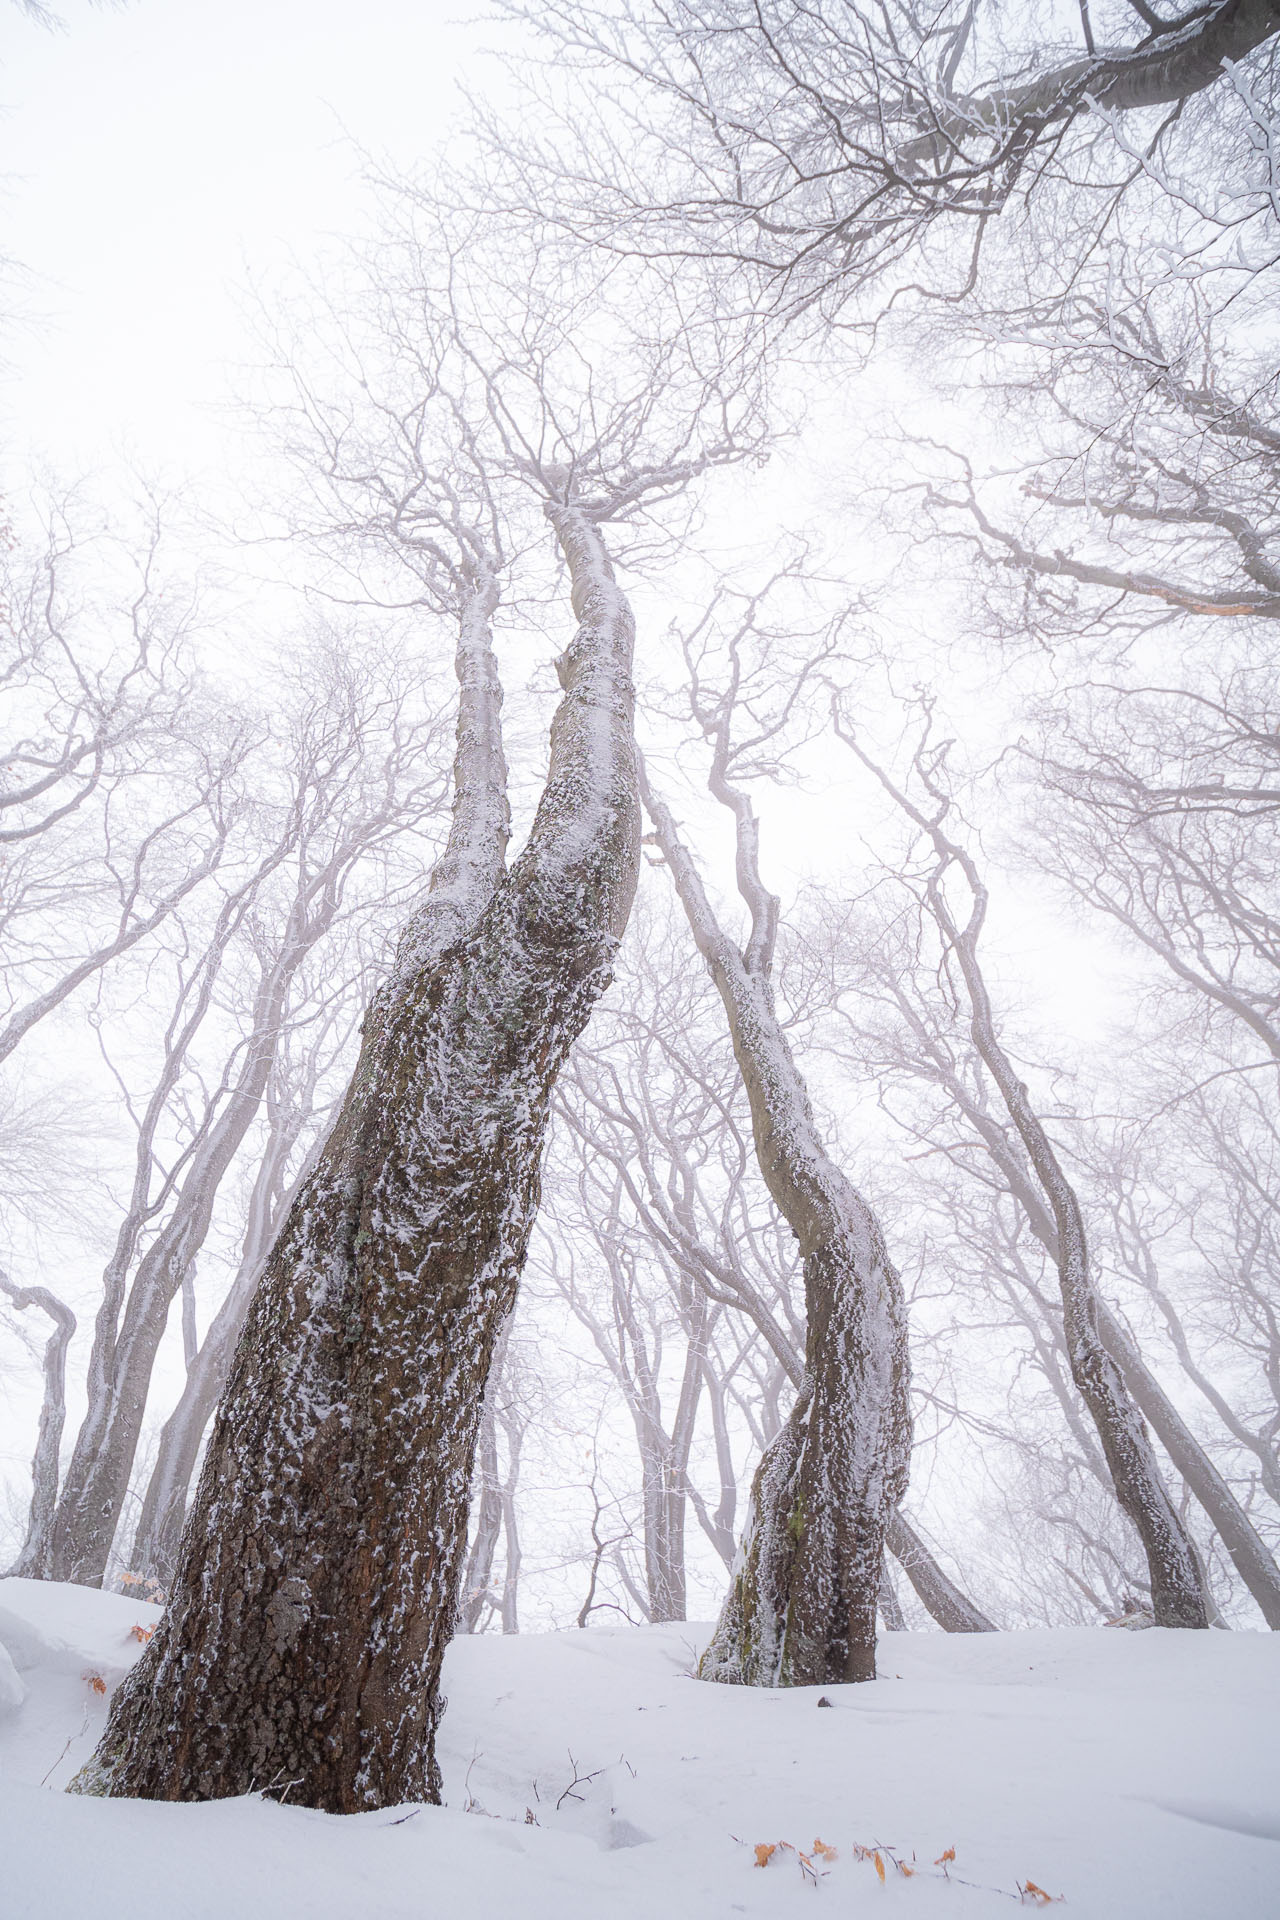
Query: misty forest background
column 956, row 578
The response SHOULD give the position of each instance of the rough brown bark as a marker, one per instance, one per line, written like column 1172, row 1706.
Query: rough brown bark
column 317, row 1583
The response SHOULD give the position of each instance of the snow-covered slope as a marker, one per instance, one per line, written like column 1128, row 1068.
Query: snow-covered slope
column 1135, row 1774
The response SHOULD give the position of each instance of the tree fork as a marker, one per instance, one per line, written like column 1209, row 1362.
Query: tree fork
column 804, row 1591
column 317, row 1580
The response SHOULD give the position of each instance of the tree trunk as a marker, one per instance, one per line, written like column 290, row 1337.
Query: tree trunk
column 1244, row 1544
column 97, row 1478
column 33, row 1557
column 159, row 1529
column 1176, row 1596
column 953, row 1612
column 891, row 1613
column 802, row 1604
column 318, row 1576
column 476, row 1594
column 1248, row 1552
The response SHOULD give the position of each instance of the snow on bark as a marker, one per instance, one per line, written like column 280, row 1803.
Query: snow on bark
column 33, row 1557
column 155, row 1542
column 1177, row 1594
column 461, row 883
column 1177, row 1591
column 126, row 1342
column 1244, row 1544
column 801, row 1608
column 317, row 1582
column 464, row 877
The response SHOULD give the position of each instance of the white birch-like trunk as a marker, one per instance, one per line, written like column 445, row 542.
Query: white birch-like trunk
column 32, row 1562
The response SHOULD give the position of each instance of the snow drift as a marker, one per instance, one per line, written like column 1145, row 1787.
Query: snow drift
column 589, row 1773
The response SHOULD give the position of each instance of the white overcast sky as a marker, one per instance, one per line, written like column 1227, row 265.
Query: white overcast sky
column 152, row 153
column 155, row 156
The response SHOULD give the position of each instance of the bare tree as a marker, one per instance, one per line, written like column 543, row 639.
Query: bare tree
column 318, row 1576
column 306, row 1047
column 655, row 1105
column 118, row 789
column 352, row 782
column 53, row 1412
column 809, row 150
column 508, row 1412
column 803, row 1600
column 1176, row 1593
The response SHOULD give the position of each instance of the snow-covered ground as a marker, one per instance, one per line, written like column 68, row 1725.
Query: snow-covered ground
column 588, row 1774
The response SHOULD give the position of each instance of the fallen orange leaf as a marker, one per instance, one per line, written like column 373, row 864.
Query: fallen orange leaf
column 765, row 1853
column 880, row 1868
column 824, row 1852
column 943, row 1858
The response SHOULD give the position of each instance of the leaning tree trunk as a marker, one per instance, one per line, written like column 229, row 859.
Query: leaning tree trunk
column 1245, row 1546
column 159, row 1529
column 33, row 1556
column 953, row 1610
column 1177, row 1596
column 802, row 1603
column 316, row 1587
column 97, row 1478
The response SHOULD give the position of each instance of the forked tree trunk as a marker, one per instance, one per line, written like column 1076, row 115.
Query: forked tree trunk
column 317, row 1581
column 33, row 1556
column 801, row 1608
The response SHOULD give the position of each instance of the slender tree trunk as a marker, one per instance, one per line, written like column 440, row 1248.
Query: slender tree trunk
column 952, row 1610
column 476, row 1593
column 511, row 1571
column 317, row 1582
column 802, row 1602
column 1176, row 1596
column 1247, row 1550
column 97, row 1478
column 33, row 1557
column 1244, row 1544
column 1175, row 1581
column 164, row 1505
column 890, row 1609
